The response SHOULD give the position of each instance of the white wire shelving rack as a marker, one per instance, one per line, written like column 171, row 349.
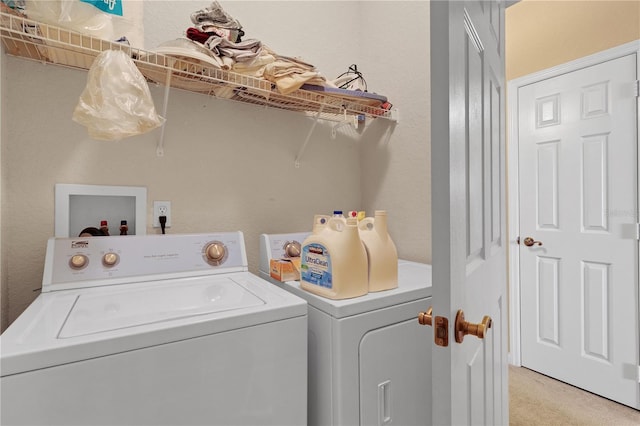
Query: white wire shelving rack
column 29, row 39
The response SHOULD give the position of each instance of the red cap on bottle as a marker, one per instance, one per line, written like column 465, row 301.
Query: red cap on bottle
column 103, row 223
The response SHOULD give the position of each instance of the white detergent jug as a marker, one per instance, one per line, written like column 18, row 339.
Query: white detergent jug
column 320, row 223
column 381, row 252
column 334, row 261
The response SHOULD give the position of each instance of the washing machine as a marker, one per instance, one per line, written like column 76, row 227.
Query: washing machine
column 157, row 329
column 369, row 358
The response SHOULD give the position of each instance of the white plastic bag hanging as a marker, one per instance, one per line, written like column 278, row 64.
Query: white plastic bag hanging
column 116, row 103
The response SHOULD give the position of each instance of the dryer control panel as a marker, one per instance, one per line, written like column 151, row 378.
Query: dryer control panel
column 278, row 246
column 92, row 261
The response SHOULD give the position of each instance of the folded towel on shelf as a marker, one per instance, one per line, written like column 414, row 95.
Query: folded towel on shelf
column 240, row 52
column 288, row 77
column 221, row 34
column 248, row 57
column 214, row 19
column 197, row 35
column 255, row 67
column 289, row 74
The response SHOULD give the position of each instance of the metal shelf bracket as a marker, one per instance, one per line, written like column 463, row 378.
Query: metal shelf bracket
column 345, row 122
column 165, row 105
column 306, row 141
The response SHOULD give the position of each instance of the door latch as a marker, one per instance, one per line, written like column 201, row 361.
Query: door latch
column 440, row 326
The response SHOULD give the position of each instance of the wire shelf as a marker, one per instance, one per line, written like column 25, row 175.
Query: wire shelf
column 46, row 43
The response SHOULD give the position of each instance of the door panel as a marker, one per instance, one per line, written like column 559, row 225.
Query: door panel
column 596, row 289
column 547, row 184
column 578, row 164
column 469, row 256
column 594, row 177
column 548, row 277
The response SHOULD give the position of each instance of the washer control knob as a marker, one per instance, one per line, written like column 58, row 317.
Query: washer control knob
column 292, row 249
column 78, row 261
column 110, row 259
column 215, row 253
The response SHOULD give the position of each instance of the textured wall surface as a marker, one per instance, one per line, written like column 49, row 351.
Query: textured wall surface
column 230, row 166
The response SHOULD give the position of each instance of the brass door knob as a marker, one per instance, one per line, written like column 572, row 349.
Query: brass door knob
column 424, row 318
column 528, row 241
column 463, row 327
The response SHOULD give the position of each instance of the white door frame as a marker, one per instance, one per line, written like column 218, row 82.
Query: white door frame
column 513, row 143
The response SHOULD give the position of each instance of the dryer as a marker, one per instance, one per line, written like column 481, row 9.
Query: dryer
column 157, row 329
column 369, row 359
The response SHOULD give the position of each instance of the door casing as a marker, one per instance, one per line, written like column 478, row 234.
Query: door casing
column 513, row 202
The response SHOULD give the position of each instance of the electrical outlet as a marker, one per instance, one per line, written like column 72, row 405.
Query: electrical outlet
column 161, row 208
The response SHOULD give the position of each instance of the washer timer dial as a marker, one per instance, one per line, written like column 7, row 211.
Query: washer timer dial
column 292, row 248
column 110, row 259
column 215, row 253
column 78, row 261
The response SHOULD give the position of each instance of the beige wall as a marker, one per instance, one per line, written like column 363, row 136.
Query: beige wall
column 541, row 34
column 230, row 166
column 396, row 169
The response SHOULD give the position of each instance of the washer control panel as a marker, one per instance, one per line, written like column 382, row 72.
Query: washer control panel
column 118, row 258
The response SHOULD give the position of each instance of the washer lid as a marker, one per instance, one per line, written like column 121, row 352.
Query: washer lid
column 95, row 313
column 66, row 326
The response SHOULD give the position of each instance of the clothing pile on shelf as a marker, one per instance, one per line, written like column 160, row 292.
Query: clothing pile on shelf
column 221, row 35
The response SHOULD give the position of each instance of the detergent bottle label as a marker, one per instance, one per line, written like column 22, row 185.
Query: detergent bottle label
column 315, row 267
column 113, row 7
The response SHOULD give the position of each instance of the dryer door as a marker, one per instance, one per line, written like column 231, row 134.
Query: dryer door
column 395, row 375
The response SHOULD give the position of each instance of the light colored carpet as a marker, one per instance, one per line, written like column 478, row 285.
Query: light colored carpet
column 535, row 399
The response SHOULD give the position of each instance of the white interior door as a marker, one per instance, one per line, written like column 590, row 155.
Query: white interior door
column 578, row 165
column 468, row 210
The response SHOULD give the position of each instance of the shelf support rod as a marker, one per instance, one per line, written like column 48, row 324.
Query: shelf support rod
column 167, row 87
column 345, row 122
column 306, row 141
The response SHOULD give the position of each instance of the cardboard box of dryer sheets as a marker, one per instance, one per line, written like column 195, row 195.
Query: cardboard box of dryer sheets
column 285, row 269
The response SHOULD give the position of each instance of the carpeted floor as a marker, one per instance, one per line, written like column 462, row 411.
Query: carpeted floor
column 535, row 399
